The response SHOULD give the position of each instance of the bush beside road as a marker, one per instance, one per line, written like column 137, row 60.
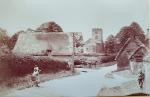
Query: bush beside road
column 23, row 65
column 15, row 70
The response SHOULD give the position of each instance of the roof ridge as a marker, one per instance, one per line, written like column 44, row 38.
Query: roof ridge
column 122, row 48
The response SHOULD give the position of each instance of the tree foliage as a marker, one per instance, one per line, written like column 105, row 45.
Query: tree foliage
column 50, row 27
column 109, row 44
column 134, row 30
column 78, row 40
column 4, row 38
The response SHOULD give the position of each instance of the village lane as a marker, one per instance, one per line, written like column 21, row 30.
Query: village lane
column 85, row 84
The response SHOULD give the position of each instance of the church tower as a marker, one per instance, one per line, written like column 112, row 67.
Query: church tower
column 97, row 39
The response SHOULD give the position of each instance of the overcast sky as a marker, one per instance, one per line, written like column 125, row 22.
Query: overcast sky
column 73, row 15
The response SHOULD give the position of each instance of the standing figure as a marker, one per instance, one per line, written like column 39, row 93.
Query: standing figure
column 141, row 79
column 70, row 63
column 35, row 76
column 95, row 63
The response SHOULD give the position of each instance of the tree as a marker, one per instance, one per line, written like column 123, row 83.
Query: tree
column 109, row 44
column 14, row 39
column 131, row 31
column 4, row 38
column 136, row 27
column 50, row 27
column 78, row 40
column 127, row 32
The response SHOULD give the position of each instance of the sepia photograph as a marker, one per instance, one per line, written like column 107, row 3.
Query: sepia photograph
column 74, row 48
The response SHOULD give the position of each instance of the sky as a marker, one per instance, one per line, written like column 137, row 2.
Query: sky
column 74, row 15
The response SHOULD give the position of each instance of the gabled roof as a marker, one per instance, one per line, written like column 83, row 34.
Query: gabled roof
column 137, row 42
column 136, row 51
column 141, row 45
column 88, row 41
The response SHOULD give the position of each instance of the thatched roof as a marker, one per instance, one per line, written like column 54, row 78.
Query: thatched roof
column 139, row 48
column 138, row 43
column 122, row 49
column 37, row 42
column 89, row 42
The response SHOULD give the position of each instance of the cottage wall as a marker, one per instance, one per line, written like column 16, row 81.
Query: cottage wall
column 136, row 67
column 123, row 61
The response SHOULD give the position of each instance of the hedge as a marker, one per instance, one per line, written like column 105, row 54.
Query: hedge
column 13, row 65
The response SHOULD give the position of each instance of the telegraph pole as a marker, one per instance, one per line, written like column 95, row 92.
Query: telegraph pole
column 148, row 37
column 73, row 53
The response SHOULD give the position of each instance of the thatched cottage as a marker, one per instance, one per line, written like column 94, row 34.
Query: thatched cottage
column 40, row 43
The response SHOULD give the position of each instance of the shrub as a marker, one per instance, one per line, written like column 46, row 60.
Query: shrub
column 23, row 65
